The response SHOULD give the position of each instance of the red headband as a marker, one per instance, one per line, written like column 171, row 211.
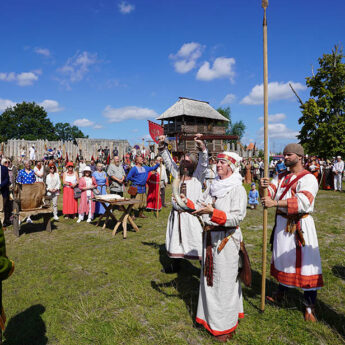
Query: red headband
column 226, row 157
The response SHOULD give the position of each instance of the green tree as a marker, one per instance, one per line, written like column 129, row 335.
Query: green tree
column 323, row 116
column 26, row 121
column 65, row 131
column 237, row 128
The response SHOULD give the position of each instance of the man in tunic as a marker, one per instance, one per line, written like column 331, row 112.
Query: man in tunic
column 184, row 232
column 138, row 176
column 82, row 166
column 32, row 153
column 223, row 208
column 117, row 177
column 163, row 179
column 338, row 169
column 296, row 259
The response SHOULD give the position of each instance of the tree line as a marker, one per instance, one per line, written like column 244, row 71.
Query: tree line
column 30, row 121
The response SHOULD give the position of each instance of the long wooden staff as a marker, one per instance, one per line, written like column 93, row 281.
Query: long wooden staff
column 159, row 188
column 264, row 232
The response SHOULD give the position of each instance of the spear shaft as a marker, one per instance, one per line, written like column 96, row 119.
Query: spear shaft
column 264, row 232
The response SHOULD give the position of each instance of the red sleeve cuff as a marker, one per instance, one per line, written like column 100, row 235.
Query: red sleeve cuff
column 292, row 204
column 190, row 204
column 218, row 217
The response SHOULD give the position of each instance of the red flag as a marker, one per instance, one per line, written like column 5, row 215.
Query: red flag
column 108, row 160
column 155, row 130
column 66, row 157
column 92, row 158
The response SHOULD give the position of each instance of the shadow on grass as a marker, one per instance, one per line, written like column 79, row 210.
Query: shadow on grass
column 29, row 228
column 186, row 282
column 110, row 223
column 339, row 271
column 295, row 299
column 27, row 327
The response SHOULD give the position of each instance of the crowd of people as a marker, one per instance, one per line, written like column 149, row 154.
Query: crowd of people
column 80, row 182
column 204, row 222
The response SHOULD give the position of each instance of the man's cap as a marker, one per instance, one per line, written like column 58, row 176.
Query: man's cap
column 339, row 157
column 294, row 148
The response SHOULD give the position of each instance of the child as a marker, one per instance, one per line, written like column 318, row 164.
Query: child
column 87, row 184
column 253, row 196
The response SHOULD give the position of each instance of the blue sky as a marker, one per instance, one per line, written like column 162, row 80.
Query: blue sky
column 108, row 66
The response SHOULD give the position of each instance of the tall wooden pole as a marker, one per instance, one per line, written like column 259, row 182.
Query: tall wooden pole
column 159, row 189
column 264, row 232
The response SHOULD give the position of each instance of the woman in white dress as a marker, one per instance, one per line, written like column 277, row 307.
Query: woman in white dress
column 53, row 187
column 224, row 206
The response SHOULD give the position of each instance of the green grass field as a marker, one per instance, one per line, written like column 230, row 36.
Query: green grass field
column 79, row 285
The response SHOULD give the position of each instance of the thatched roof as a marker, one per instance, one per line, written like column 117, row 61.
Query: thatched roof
column 192, row 107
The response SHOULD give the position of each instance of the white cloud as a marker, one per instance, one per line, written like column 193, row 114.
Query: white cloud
column 274, row 118
column 125, row 7
column 6, row 103
column 222, row 68
column 276, row 91
column 42, row 51
column 279, row 131
column 83, row 123
column 186, row 57
column 228, row 99
column 77, row 67
column 51, row 106
column 98, row 126
column 126, row 113
column 22, row 79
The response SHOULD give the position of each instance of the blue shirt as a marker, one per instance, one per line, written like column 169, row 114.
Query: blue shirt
column 26, row 178
column 280, row 167
column 253, row 197
column 138, row 176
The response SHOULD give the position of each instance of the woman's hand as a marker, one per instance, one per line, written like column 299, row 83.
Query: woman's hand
column 206, row 209
column 199, row 143
column 183, row 198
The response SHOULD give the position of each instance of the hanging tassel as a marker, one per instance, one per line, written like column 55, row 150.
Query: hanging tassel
column 208, row 269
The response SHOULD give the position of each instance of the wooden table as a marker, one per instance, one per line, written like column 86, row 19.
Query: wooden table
column 125, row 206
column 20, row 215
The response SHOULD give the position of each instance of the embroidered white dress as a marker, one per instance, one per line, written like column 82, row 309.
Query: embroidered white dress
column 221, row 306
column 292, row 264
column 189, row 244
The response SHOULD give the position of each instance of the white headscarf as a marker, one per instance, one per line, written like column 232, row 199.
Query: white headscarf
column 220, row 187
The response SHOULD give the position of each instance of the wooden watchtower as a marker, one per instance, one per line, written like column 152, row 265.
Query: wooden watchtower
column 188, row 117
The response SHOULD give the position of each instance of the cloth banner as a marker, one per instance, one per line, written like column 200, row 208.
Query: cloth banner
column 155, row 131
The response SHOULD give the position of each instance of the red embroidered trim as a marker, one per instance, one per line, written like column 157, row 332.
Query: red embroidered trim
column 296, row 279
column 190, row 204
column 204, row 323
column 292, row 204
column 274, row 188
column 226, row 157
column 218, row 217
column 308, row 195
